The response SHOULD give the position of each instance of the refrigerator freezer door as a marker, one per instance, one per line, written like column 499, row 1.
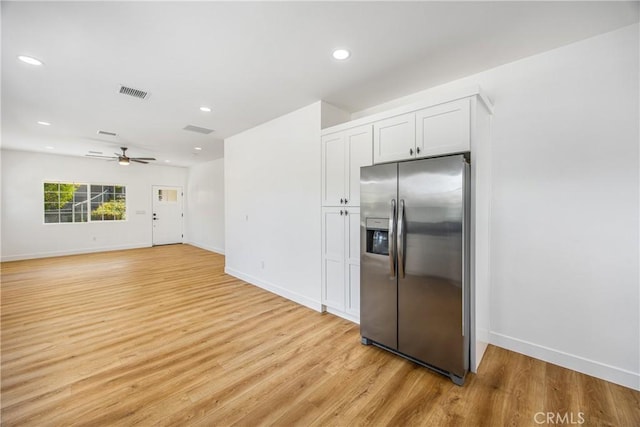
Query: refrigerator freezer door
column 378, row 288
column 430, row 291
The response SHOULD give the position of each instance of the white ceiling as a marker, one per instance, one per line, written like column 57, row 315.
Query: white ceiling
column 250, row 62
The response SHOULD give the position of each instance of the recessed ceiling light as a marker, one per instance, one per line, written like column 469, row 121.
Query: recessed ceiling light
column 29, row 60
column 44, row 123
column 341, row 54
column 205, row 109
column 197, row 148
column 167, row 161
column 48, row 147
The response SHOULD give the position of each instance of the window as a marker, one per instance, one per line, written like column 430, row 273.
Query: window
column 70, row 202
column 108, row 203
column 168, row 195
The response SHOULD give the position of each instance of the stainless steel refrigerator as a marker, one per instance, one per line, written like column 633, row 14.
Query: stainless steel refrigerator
column 414, row 269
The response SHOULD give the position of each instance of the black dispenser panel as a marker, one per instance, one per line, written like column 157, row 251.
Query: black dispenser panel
column 378, row 236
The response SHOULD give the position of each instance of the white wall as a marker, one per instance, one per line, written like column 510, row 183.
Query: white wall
column 565, row 206
column 24, row 234
column 205, row 206
column 272, row 205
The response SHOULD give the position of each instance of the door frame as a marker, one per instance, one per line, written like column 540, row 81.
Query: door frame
column 181, row 207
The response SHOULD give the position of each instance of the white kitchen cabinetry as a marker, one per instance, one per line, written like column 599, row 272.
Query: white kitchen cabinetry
column 444, row 129
column 434, row 131
column 343, row 154
column 341, row 260
column 439, row 124
column 394, row 138
column 333, row 166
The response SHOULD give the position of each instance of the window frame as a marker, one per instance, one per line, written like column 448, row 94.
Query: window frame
column 87, row 202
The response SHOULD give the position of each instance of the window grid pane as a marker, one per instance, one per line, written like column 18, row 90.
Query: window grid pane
column 71, row 202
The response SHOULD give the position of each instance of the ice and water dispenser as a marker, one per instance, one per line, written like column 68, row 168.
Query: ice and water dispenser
column 378, row 236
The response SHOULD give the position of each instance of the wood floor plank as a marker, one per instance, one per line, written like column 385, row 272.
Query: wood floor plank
column 162, row 336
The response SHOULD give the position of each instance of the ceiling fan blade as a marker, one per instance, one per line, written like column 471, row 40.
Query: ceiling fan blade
column 138, row 161
column 100, row 157
column 142, row 158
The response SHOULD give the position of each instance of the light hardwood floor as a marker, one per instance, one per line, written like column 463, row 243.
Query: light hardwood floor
column 161, row 336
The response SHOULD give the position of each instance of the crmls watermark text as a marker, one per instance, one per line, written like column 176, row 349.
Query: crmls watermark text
column 562, row 418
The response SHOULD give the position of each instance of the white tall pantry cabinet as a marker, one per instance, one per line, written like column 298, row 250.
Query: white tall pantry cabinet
column 439, row 125
column 343, row 153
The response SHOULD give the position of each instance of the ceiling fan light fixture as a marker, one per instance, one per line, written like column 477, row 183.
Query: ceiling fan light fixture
column 122, row 158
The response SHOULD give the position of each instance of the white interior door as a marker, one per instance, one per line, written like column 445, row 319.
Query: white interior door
column 167, row 215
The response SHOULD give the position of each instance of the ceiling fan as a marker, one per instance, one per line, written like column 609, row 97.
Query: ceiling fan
column 123, row 159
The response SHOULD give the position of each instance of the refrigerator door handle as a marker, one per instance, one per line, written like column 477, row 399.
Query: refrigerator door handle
column 466, row 180
column 392, row 239
column 400, row 244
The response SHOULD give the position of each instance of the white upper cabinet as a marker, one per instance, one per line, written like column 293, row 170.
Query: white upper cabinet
column 333, row 165
column 359, row 153
column 441, row 129
column 444, row 129
column 394, row 138
column 343, row 154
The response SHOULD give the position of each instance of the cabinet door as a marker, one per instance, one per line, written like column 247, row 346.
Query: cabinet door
column 359, row 152
column 394, row 138
column 444, row 129
column 333, row 248
column 333, row 167
column 352, row 267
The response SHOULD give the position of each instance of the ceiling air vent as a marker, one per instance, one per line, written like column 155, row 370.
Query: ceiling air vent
column 136, row 93
column 198, row 129
column 105, row 133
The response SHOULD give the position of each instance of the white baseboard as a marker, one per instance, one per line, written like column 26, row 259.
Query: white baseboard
column 278, row 290
column 72, row 252
column 342, row 314
column 207, row 247
column 577, row 363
